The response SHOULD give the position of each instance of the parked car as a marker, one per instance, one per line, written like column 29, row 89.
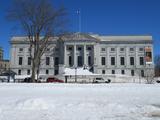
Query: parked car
column 27, row 80
column 158, row 81
column 54, row 79
column 101, row 80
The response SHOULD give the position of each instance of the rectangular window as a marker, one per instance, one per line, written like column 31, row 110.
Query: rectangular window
column 80, row 61
column 79, row 48
column 103, row 60
column 20, row 60
column 131, row 49
column 141, row 49
column 70, row 61
column 28, row 72
column 132, row 72
column 122, row 49
column 20, row 49
column 122, row 60
column 56, row 61
column 112, row 49
column 89, row 60
column 89, row 48
column 142, row 73
column 47, row 60
column 131, row 60
column 141, row 60
column 103, row 49
column 48, row 49
column 19, row 72
column 103, row 71
column 29, row 60
column 112, row 60
column 47, row 72
column 70, row 48
column 56, row 72
column 113, row 71
column 122, row 72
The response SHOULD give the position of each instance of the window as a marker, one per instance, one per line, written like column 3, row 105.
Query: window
column 132, row 72
column 47, row 72
column 131, row 60
column 47, row 60
column 103, row 71
column 142, row 73
column 70, row 48
column 19, row 72
column 112, row 60
column 112, row 49
column 56, row 72
column 131, row 49
column 103, row 60
column 122, row 60
column 56, row 62
column 122, row 72
column 48, row 49
column 89, row 60
column 20, row 60
column 29, row 60
column 141, row 49
column 28, row 72
column 56, row 49
column 89, row 48
column 29, row 49
column 141, row 60
column 79, row 48
column 122, row 49
column 113, row 71
column 20, row 49
column 103, row 49
column 70, row 61
column 79, row 61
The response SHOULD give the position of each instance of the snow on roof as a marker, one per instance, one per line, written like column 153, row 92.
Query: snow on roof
column 79, row 71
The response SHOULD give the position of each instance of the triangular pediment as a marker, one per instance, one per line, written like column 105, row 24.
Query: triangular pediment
column 79, row 36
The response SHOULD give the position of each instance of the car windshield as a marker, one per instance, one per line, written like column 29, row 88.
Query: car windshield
column 99, row 78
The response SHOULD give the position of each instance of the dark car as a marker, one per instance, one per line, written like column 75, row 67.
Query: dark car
column 158, row 81
column 53, row 79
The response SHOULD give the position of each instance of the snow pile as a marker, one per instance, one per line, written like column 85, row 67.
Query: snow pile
column 79, row 101
column 31, row 104
column 78, row 71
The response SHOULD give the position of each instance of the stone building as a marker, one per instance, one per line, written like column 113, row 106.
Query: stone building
column 4, row 64
column 129, row 55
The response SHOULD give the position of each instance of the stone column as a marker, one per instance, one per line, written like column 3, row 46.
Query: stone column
column 84, row 57
column 75, row 56
column 65, row 55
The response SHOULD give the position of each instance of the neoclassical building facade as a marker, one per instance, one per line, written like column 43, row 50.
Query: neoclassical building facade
column 129, row 55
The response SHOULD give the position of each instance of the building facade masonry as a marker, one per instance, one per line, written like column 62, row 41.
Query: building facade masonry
column 128, row 55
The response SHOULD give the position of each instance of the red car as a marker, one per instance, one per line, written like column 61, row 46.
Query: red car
column 53, row 79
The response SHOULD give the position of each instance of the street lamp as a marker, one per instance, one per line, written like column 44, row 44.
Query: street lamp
column 75, row 74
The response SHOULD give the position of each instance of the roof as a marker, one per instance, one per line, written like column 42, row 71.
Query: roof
column 91, row 37
column 124, row 38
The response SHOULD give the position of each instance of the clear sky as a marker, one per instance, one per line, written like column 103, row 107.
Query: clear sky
column 104, row 17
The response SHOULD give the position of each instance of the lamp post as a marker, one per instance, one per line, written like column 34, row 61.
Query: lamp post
column 75, row 74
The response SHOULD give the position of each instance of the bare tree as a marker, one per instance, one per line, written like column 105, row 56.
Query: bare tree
column 40, row 21
column 157, row 65
column 149, row 75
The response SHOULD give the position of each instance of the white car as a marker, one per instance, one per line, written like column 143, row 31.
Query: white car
column 101, row 80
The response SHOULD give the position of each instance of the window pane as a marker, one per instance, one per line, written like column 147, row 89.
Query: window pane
column 112, row 60
column 20, row 60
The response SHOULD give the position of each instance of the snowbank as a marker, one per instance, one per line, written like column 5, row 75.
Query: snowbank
column 79, row 101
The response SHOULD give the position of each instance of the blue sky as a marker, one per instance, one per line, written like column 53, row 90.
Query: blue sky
column 104, row 17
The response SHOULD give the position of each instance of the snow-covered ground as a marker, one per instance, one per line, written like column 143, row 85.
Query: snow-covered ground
column 79, row 101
